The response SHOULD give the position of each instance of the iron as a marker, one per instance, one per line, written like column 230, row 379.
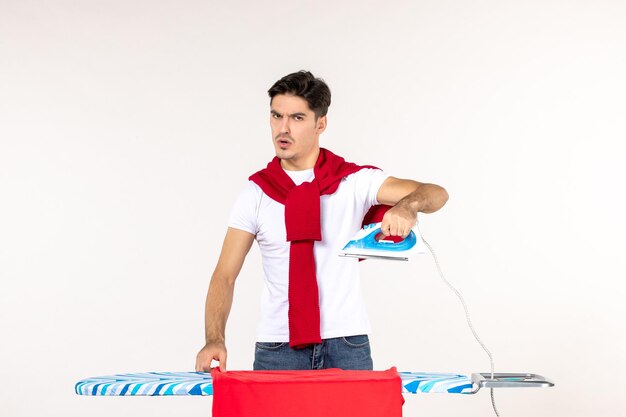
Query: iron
column 370, row 243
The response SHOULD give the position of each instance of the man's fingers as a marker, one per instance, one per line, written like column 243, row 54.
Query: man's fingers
column 207, row 355
column 201, row 365
column 388, row 227
column 221, row 357
column 408, row 227
column 396, row 227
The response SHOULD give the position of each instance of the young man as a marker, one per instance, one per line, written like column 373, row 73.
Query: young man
column 301, row 210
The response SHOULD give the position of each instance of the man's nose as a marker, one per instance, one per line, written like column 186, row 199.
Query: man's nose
column 284, row 125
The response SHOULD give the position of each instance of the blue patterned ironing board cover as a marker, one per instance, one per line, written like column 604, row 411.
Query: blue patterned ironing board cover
column 201, row 383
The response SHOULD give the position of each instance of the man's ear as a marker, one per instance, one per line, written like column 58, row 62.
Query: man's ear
column 321, row 124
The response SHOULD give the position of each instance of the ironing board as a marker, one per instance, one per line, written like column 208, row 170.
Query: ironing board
column 201, row 383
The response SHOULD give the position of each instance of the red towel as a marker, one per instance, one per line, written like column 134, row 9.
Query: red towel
column 328, row 393
column 302, row 221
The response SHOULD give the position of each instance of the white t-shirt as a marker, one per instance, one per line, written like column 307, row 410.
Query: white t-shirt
column 341, row 302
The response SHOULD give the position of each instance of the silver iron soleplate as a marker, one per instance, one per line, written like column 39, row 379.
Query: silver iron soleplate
column 368, row 256
column 510, row 380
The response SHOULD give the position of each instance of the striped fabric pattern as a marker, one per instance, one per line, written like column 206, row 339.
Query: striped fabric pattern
column 423, row 382
column 149, row 383
column 200, row 383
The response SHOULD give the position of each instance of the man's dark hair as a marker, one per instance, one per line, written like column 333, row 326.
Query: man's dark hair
column 304, row 84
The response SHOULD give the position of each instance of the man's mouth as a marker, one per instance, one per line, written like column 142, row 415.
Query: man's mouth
column 283, row 142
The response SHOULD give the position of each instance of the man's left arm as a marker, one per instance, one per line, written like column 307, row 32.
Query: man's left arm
column 408, row 197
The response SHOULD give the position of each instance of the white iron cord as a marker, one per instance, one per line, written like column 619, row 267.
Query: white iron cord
column 467, row 315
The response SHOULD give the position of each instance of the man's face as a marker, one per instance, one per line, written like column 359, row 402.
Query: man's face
column 295, row 131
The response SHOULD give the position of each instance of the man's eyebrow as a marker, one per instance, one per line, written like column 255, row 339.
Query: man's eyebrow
column 298, row 114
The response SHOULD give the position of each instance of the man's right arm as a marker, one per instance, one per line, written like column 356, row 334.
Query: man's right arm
column 219, row 298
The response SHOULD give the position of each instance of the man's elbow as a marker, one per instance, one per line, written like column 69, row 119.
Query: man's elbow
column 223, row 278
column 444, row 197
column 439, row 198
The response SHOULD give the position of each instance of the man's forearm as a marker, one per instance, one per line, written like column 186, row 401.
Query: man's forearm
column 218, row 303
column 426, row 198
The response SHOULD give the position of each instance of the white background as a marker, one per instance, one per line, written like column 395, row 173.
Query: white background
column 128, row 127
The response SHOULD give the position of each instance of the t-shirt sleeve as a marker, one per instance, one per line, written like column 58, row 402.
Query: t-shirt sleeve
column 368, row 183
column 244, row 212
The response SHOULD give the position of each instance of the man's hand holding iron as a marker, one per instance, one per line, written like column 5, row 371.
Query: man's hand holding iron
column 408, row 197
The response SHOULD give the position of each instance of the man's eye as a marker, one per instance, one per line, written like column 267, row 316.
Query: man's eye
column 299, row 118
column 276, row 116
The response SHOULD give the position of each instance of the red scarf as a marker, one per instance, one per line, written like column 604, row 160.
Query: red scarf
column 303, row 225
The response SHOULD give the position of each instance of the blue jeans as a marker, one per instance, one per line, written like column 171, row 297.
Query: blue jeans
column 350, row 353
